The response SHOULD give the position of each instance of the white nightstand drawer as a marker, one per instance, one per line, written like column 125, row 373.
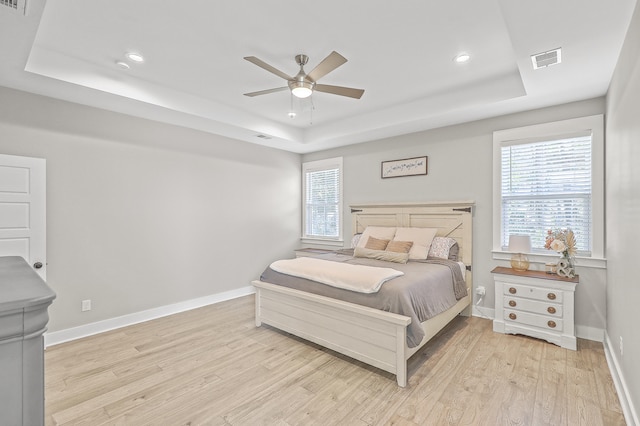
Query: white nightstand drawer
column 534, row 306
column 541, row 321
column 537, row 293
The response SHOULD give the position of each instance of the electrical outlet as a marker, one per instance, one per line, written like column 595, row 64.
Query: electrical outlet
column 86, row 305
column 621, row 347
column 481, row 291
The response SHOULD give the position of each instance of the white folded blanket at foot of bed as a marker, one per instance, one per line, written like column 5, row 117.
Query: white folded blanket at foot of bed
column 360, row 278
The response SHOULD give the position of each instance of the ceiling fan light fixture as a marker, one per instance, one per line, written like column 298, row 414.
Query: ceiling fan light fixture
column 301, row 89
column 302, row 92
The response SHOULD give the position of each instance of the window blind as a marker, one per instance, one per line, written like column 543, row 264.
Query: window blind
column 547, row 185
column 322, row 202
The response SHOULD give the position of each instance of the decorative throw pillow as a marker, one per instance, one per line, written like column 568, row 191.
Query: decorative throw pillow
column 399, row 246
column 421, row 238
column 355, row 239
column 376, row 244
column 453, row 252
column 440, row 247
column 389, row 256
column 380, row 232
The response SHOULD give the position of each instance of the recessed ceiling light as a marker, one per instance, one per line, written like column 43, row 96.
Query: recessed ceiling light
column 462, row 58
column 135, row 57
column 123, row 65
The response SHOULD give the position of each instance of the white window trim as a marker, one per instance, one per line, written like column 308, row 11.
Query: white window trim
column 322, row 164
column 594, row 124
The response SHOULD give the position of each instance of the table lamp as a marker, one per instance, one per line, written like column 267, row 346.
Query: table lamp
column 519, row 245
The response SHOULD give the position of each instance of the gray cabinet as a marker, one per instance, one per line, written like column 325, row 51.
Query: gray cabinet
column 24, row 300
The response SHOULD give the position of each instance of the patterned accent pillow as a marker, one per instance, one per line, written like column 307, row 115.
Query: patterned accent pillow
column 355, row 239
column 376, row 244
column 440, row 247
column 399, row 246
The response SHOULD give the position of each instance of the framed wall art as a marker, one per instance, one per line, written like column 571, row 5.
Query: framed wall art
column 405, row 167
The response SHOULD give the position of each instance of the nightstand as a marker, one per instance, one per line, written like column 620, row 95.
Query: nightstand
column 535, row 304
column 311, row 252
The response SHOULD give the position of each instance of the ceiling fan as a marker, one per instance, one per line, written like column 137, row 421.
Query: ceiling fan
column 303, row 84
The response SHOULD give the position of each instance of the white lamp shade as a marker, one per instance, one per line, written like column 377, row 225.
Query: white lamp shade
column 519, row 244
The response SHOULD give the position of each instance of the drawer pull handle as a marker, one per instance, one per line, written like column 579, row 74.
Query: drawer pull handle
column 512, row 290
column 551, row 310
column 551, row 324
column 512, row 316
column 551, row 296
column 512, row 303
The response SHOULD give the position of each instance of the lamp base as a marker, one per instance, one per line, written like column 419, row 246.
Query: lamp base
column 520, row 262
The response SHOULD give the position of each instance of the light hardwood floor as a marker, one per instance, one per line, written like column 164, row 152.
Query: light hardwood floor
column 213, row 366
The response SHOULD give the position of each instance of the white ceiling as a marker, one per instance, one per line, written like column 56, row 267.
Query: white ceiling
column 401, row 53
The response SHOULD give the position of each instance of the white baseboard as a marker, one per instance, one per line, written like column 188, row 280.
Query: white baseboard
column 483, row 312
column 57, row 337
column 629, row 411
column 590, row 333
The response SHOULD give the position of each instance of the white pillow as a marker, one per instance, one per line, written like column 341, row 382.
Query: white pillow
column 421, row 238
column 379, row 232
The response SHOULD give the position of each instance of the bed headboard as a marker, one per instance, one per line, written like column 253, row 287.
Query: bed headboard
column 453, row 219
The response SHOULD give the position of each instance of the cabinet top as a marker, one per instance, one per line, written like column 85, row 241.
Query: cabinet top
column 533, row 274
column 21, row 286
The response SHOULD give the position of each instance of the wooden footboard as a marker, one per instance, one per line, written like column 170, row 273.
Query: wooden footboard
column 369, row 335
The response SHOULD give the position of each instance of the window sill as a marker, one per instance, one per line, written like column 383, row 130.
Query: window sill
column 581, row 262
column 322, row 242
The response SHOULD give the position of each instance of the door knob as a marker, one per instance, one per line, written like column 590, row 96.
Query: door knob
column 37, row 265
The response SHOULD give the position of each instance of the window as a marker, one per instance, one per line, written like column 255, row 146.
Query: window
column 550, row 176
column 322, row 198
column 547, row 185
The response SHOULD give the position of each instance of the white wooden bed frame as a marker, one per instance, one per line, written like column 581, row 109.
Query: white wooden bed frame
column 372, row 336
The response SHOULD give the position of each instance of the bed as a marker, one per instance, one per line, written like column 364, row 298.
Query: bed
column 373, row 336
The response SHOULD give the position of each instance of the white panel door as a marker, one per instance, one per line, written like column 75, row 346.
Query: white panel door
column 23, row 210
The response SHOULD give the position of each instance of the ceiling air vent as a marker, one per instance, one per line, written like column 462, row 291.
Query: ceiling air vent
column 545, row 59
column 17, row 6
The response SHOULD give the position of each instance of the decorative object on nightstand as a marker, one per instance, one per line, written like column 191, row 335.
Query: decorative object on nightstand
column 563, row 241
column 551, row 267
column 519, row 245
column 536, row 304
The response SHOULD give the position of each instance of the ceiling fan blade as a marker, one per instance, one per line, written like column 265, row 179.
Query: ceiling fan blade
column 339, row 90
column 266, row 92
column 267, row 67
column 328, row 64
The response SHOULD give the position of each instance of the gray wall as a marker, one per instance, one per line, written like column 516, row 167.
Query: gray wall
column 142, row 214
column 623, row 210
column 460, row 168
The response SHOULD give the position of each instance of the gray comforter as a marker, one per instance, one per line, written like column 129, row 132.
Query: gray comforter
column 426, row 289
